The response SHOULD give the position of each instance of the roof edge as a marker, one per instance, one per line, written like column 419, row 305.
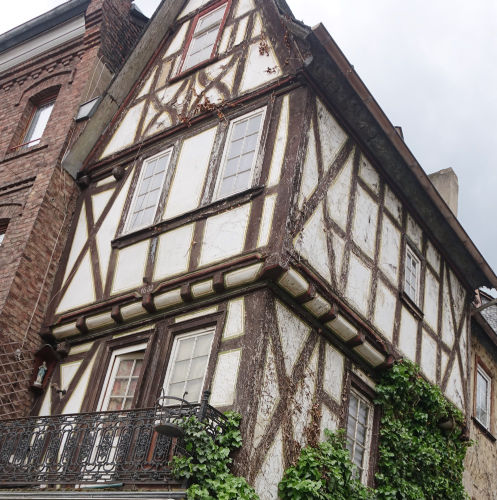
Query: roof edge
column 45, row 22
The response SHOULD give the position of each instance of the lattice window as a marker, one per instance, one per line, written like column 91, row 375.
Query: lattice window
column 188, row 365
column 359, row 433
column 412, row 275
column 242, row 145
column 122, row 379
column 148, row 191
column 205, row 36
column 483, row 392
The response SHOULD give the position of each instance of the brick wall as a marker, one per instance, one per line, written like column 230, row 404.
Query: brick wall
column 36, row 195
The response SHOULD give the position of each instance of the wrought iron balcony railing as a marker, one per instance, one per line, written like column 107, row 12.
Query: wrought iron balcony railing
column 112, row 447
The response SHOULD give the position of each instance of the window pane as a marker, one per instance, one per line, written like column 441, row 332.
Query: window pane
column 185, row 348
column 148, row 191
column 188, row 373
column 242, row 181
column 250, row 143
column 240, row 155
column 358, row 429
column 204, row 38
column 227, row 187
column 203, row 345
column 125, row 367
column 194, row 387
column 180, row 371
column 38, row 124
column 198, row 367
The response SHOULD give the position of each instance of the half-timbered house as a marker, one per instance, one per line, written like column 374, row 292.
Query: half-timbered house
column 252, row 225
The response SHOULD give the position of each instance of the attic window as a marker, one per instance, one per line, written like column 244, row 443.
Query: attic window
column 204, row 36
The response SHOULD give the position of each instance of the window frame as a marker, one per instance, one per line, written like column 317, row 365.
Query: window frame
column 222, row 165
column 26, row 144
column 191, row 33
column 4, row 223
column 482, row 370
column 189, row 332
column 127, row 229
column 104, row 396
column 411, row 252
column 370, row 424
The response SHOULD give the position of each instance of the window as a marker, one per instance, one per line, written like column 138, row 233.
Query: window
column 204, row 39
column 240, row 154
column 145, row 201
column 3, row 229
column 122, row 379
column 359, row 433
column 37, row 124
column 482, row 400
column 412, row 275
column 188, row 365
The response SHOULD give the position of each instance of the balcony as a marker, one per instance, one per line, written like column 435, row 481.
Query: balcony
column 96, row 450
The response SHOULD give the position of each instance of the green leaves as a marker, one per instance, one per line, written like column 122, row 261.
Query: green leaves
column 322, row 473
column 417, row 460
column 207, row 467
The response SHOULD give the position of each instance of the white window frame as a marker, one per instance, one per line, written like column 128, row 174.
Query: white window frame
column 222, row 167
column 369, row 432
column 488, row 400
column 29, row 140
column 172, row 358
column 132, row 207
column 410, row 253
column 198, row 18
column 112, row 369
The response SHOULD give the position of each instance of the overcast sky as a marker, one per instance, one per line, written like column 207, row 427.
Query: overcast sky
column 430, row 64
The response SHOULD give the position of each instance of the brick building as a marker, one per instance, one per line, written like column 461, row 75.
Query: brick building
column 49, row 66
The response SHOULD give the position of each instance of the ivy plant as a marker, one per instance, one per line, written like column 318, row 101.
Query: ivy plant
column 323, row 472
column 417, row 459
column 206, row 466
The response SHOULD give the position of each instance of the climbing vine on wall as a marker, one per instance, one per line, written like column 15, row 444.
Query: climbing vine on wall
column 417, row 459
column 206, row 467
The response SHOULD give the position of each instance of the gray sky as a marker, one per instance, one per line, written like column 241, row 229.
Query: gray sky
column 430, row 64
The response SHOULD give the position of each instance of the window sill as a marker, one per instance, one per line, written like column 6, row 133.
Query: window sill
column 483, row 429
column 411, row 305
column 202, row 212
column 10, row 155
column 191, row 70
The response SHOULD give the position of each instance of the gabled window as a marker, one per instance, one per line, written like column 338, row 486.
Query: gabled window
column 144, row 204
column 359, row 425
column 37, row 124
column 188, row 365
column 483, row 391
column 240, row 154
column 203, row 42
column 412, row 274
